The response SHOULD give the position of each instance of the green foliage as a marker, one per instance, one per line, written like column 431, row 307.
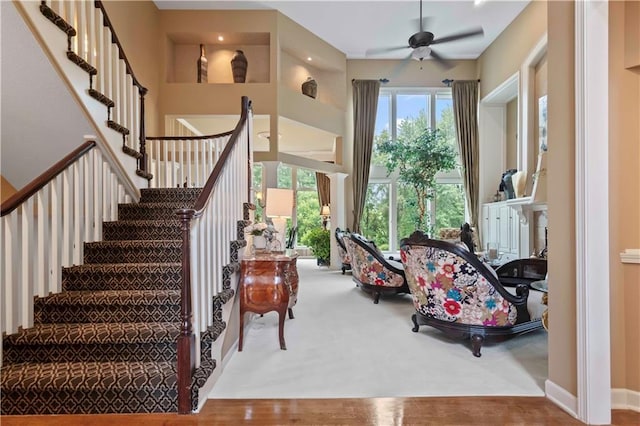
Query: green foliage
column 418, row 154
column 307, row 211
column 375, row 216
column 319, row 240
column 450, row 206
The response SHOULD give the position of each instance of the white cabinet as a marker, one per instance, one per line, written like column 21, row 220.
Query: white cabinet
column 500, row 225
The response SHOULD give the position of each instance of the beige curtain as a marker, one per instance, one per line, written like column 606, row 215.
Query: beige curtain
column 324, row 189
column 365, row 106
column 465, row 112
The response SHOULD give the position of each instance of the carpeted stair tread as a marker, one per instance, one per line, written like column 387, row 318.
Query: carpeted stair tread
column 135, row 251
column 89, row 375
column 152, row 211
column 108, row 306
column 95, row 333
column 122, row 276
column 138, row 229
column 150, row 195
column 113, row 297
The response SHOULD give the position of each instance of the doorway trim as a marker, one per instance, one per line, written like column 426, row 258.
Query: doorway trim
column 591, row 211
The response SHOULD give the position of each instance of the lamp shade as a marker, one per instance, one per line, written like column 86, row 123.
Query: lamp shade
column 325, row 211
column 279, row 202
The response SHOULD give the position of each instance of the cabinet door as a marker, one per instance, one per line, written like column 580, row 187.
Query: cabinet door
column 504, row 231
column 494, row 224
column 485, row 227
column 514, row 232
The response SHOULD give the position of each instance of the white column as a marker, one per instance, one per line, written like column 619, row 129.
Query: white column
column 338, row 217
column 592, row 220
column 269, row 175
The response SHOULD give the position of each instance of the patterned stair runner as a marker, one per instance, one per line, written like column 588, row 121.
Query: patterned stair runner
column 107, row 343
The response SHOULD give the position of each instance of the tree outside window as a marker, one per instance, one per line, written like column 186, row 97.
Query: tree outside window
column 403, row 112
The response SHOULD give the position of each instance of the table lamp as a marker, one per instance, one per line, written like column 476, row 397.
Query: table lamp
column 325, row 212
column 279, row 208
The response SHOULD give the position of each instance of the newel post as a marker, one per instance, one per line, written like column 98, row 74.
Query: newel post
column 143, row 137
column 186, row 340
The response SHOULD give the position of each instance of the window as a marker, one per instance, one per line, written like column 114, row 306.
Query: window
column 391, row 209
column 306, row 211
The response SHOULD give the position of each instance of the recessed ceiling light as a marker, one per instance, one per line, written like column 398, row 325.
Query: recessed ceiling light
column 309, row 59
column 478, row 2
column 220, row 38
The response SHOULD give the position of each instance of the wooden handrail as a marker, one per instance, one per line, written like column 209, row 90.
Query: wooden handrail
column 201, row 203
column 178, row 138
column 38, row 183
column 114, row 38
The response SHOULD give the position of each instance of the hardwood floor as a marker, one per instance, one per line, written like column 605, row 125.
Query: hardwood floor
column 374, row 411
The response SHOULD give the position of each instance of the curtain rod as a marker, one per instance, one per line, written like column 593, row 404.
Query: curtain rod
column 448, row 81
column 382, row 80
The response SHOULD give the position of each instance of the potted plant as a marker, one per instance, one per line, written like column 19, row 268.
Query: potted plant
column 319, row 240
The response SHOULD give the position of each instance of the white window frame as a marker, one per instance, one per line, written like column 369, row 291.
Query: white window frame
column 378, row 174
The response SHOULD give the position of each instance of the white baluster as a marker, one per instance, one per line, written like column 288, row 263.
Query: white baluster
column 98, row 191
column 80, row 25
column 11, row 254
column 181, row 148
column 55, row 252
column 25, row 282
column 76, row 210
column 88, row 224
column 43, row 203
column 67, row 230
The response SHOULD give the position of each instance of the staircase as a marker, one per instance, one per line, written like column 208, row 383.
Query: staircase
column 107, row 342
column 137, row 319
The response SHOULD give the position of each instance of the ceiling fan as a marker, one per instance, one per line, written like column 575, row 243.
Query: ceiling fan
column 421, row 43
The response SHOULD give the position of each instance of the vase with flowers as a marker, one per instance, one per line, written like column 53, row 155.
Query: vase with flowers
column 262, row 235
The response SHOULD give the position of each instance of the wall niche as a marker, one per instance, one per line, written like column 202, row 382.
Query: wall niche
column 184, row 51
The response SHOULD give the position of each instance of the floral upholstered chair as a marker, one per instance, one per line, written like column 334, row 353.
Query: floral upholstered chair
column 342, row 250
column 371, row 271
column 458, row 294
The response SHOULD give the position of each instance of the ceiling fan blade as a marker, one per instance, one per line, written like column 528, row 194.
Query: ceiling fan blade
column 379, row 50
column 400, row 66
column 444, row 63
column 458, row 36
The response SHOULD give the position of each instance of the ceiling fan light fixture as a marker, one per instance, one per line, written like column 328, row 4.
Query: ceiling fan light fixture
column 421, row 52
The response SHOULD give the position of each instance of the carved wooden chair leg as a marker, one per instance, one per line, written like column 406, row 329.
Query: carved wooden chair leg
column 291, row 314
column 281, row 315
column 476, row 344
column 376, row 298
column 416, row 327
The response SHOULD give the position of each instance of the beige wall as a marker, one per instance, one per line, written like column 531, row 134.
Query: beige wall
column 624, row 207
column 506, row 54
column 561, row 208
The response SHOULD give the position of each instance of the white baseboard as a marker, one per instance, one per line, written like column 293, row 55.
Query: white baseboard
column 625, row 399
column 563, row 399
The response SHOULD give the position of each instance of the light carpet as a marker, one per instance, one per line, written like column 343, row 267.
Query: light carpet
column 341, row 345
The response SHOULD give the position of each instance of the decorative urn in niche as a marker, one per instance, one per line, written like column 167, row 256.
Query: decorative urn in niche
column 239, row 67
column 202, row 66
column 310, row 87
